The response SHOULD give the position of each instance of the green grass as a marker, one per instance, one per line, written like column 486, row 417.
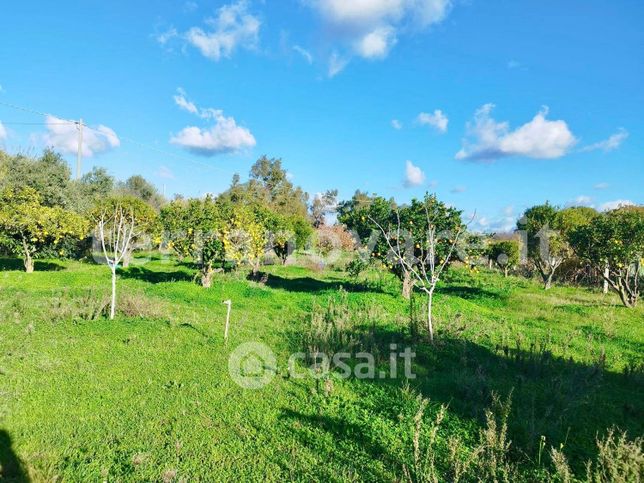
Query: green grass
column 149, row 397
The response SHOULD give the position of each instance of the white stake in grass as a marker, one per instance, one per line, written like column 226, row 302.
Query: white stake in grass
column 229, row 304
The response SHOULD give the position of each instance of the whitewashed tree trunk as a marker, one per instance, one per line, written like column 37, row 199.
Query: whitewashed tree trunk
column 113, row 304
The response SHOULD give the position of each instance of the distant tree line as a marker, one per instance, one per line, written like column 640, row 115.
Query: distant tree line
column 46, row 214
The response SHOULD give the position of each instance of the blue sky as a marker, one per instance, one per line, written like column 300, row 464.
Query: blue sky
column 494, row 105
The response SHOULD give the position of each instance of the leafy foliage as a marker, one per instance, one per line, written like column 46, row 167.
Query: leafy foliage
column 614, row 240
column 30, row 227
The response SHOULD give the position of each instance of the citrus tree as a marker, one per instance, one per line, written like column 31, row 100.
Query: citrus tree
column 147, row 223
column 245, row 238
column 614, row 244
column 505, row 254
column 377, row 222
column 547, row 245
column 195, row 228
column 422, row 240
column 29, row 227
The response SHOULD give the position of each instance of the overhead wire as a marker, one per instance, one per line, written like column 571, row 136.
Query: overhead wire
column 63, row 121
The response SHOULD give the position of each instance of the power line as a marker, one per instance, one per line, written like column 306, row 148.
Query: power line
column 12, row 123
column 62, row 121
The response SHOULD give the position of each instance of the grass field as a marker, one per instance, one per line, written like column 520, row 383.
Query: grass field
column 148, row 396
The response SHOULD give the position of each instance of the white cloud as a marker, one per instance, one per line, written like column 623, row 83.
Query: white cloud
column 336, row 64
column 370, row 28
column 181, row 100
column 610, row 144
column 414, row 176
column 613, row 205
column 225, row 136
column 506, row 222
column 63, row 135
column 304, row 53
column 377, row 43
column 437, row 120
column 601, row 186
column 233, row 27
column 164, row 37
column 165, row 172
column 539, row 138
column 3, row 132
column 396, row 124
column 581, row 200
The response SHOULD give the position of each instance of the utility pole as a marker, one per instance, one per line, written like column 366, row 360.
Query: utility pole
column 79, row 155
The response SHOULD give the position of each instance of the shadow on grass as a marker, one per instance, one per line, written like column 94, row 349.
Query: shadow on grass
column 11, row 469
column 313, row 285
column 469, row 293
column 154, row 276
column 16, row 264
column 568, row 402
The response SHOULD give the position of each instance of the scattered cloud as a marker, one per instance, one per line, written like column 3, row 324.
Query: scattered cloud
column 506, row 222
column 601, row 186
column 63, row 135
column 458, row 189
column 396, row 124
column 233, row 27
column 304, row 53
column 613, row 205
column 3, row 132
column 164, row 37
column 370, row 28
column 581, row 200
column 181, row 101
column 437, row 120
column 414, row 176
column 376, row 44
column 225, row 136
column 165, row 172
column 610, row 144
column 540, row 138
column 336, row 64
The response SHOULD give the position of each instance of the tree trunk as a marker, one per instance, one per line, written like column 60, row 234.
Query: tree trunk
column 28, row 259
column 505, row 272
column 206, row 276
column 29, row 263
column 489, row 263
column 606, row 275
column 113, row 304
column 408, row 286
column 430, row 324
column 547, row 285
column 126, row 259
